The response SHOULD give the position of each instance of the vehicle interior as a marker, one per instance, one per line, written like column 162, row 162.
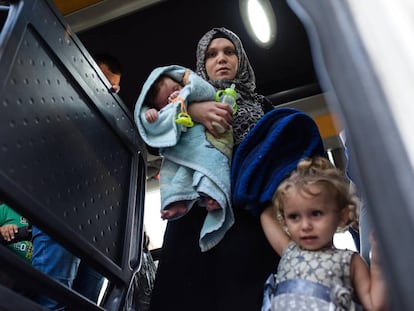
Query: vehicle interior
column 297, row 70
column 284, row 70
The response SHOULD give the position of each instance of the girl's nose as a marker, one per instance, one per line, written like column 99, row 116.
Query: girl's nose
column 306, row 225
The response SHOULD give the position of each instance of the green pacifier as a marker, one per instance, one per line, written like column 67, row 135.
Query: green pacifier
column 184, row 118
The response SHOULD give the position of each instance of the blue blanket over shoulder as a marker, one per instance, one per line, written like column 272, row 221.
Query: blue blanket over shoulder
column 270, row 152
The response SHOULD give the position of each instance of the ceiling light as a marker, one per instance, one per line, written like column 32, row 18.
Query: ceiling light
column 260, row 21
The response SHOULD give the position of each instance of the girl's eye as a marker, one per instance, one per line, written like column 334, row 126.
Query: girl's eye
column 292, row 216
column 317, row 213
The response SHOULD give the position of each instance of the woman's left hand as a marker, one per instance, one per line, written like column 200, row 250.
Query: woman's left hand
column 211, row 112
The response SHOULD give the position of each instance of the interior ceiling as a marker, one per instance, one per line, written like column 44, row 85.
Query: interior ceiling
column 67, row 7
column 145, row 34
column 85, row 14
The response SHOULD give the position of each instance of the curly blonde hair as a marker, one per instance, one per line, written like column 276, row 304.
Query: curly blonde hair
column 320, row 171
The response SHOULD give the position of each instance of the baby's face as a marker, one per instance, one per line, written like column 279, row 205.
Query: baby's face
column 167, row 86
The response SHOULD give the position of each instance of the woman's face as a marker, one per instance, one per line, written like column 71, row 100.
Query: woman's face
column 221, row 60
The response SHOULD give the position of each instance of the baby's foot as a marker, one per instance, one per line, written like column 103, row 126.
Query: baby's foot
column 212, row 205
column 173, row 212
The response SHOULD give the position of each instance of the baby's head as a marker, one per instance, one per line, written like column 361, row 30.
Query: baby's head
column 162, row 88
column 315, row 201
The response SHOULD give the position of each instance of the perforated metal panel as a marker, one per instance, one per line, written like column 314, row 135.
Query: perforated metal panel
column 70, row 157
column 56, row 145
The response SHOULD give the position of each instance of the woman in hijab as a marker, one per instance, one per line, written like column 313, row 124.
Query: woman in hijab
column 231, row 275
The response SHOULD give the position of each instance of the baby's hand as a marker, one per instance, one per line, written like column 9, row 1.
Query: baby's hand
column 8, row 231
column 173, row 96
column 151, row 115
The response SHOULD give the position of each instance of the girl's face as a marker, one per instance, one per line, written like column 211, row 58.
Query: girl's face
column 312, row 219
column 166, row 86
column 221, row 60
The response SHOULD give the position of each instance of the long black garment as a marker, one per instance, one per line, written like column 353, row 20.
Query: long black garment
column 228, row 277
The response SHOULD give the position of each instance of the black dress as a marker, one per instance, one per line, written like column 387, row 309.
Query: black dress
column 228, row 277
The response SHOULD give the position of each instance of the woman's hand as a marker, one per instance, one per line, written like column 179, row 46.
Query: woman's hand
column 8, row 231
column 208, row 112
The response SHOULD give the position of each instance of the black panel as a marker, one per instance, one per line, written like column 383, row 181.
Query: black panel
column 56, row 146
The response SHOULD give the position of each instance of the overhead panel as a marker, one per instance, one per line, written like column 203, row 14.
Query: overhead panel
column 85, row 14
column 66, row 7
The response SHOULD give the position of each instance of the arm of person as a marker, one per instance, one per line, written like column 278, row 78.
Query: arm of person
column 273, row 231
column 208, row 112
column 162, row 133
column 369, row 283
column 8, row 232
column 165, row 121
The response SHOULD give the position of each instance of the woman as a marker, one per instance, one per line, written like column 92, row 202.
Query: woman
column 231, row 275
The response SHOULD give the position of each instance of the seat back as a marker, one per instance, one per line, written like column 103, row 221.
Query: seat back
column 71, row 159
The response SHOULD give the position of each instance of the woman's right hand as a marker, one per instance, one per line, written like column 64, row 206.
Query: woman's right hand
column 209, row 112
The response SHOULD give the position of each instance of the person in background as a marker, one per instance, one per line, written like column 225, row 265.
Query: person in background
column 15, row 234
column 11, row 224
column 111, row 68
column 231, row 275
column 308, row 208
column 54, row 260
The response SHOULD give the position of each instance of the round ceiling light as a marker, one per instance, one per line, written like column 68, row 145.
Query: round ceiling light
column 260, row 21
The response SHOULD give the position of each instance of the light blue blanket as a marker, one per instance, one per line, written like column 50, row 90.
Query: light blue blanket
column 194, row 162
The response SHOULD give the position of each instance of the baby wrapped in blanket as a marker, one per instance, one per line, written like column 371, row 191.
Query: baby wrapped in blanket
column 196, row 165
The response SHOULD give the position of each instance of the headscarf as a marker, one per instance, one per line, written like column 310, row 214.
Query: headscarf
column 250, row 104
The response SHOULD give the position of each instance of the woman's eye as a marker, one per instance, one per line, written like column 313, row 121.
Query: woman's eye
column 211, row 54
column 230, row 52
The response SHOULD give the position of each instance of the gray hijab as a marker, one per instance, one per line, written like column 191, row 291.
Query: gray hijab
column 250, row 104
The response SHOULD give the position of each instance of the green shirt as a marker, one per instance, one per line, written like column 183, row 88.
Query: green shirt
column 9, row 217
